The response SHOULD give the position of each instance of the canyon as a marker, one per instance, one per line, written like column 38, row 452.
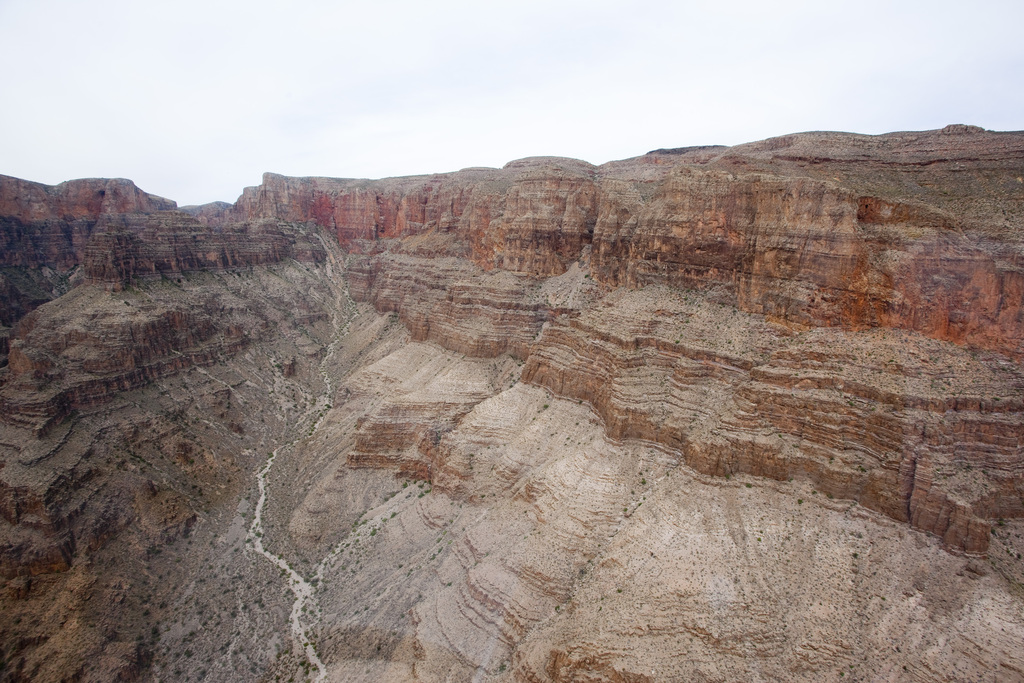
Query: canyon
column 709, row 413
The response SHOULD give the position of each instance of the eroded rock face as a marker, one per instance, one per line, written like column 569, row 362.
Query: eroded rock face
column 912, row 231
column 705, row 413
column 51, row 225
column 861, row 416
column 170, row 244
column 533, row 216
column 453, row 302
column 659, row 573
column 75, row 200
column 811, row 254
column 111, row 232
column 131, row 421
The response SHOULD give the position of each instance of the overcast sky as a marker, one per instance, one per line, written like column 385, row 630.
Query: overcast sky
column 195, row 99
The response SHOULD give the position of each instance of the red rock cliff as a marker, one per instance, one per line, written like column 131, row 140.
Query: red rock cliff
column 50, row 225
column 916, row 231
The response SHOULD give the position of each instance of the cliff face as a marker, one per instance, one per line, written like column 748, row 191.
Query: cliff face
column 793, row 230
column 865, row 418
column 74, row 200
column 806, row 242
column 809, row 253
column 533, row 216
column 829, row 316
column 111, row 232
column 50, row 225
column 909, row 231
column 170, row 244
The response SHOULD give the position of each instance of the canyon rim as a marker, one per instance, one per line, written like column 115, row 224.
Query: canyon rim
column 707, row 414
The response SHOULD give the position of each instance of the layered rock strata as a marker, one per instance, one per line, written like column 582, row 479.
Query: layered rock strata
column 43, row 225
column 111, row 232
column 580, row 417
column 878, row 422
column 131, row 422
column 907, row 230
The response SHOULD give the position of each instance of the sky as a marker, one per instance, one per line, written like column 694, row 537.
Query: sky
column 195, row 99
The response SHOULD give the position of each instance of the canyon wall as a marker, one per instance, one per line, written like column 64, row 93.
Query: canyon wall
column 829, row 316
column 110, row 232
column 494, row 261
column 910, row 231
column 43, row 225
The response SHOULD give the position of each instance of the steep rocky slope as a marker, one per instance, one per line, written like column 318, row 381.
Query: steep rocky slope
column 917, row 231
column 748, row 413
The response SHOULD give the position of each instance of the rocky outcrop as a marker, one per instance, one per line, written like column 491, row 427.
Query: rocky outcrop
column 873, row 422
column 60, row 364
column 111, row 232
column 809, row 253
column 403, row 432
column 168, row 244
column 43, row 225
column 533, row 216
column 215, row 213
column 73, row 200
column 452, row 302
column 905, row 230
column 61, row 361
